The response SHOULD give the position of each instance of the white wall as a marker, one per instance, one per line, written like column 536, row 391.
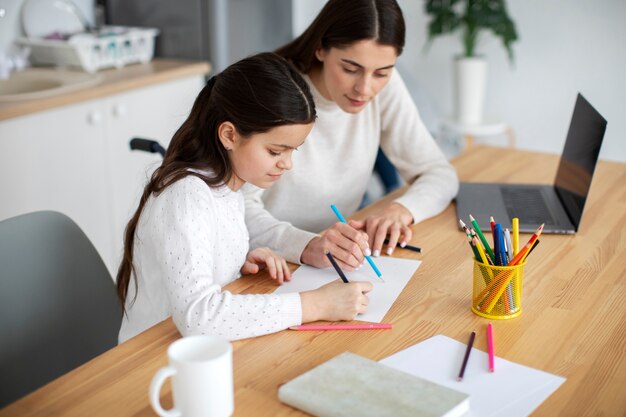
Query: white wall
column 565, row 46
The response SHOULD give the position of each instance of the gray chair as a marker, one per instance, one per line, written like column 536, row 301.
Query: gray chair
column 58, row 306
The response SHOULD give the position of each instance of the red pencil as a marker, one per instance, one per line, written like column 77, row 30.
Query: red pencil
column 520, row 255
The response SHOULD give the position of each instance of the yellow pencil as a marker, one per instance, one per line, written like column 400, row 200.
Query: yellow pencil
column 481, row 251
column 483, row 259
column 515, row 225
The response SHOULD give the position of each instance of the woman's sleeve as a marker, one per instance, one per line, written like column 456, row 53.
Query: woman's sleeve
column 186, row 249
column 265, row 230
column 433, row 182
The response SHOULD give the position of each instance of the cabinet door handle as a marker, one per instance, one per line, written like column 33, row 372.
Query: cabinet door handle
column 120, row 110
column 94, row 118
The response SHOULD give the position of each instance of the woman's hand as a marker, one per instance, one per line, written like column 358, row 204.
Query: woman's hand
column 335, row 301
column 261, row 258
column 347, row 245
column 392, row 222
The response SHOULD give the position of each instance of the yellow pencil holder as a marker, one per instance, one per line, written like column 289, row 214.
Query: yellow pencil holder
column 497, row 291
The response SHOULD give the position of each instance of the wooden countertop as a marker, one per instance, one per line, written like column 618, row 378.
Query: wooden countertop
column 115, row 81
column 573, row 323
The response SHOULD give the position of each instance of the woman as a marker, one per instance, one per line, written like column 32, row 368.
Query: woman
column 347, row 56
column 188, row 237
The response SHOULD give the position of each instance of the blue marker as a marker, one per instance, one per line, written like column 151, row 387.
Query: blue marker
column 499, row 249
column 369, row 258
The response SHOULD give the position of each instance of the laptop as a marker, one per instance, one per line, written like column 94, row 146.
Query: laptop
column 560, row 205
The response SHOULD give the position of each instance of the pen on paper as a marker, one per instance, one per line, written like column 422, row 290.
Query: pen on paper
column 468, row 350
column 368, row 258
column 370, row 326
column 334, row 264
column 491, row 348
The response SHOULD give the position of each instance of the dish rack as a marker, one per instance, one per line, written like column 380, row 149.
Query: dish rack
column 110, row 46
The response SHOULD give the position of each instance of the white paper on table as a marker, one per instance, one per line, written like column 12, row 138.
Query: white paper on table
column 396, row 273
column 513, row 390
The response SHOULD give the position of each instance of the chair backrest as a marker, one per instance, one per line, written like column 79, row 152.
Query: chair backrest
column 58, row 306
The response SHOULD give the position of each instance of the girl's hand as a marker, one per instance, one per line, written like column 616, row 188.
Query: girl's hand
column 392, row 223
column 348, row 245
column 335, row 301
column 261, row 258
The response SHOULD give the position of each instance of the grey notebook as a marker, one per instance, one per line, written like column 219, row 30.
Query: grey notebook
column 349, row 385
column 558, row 205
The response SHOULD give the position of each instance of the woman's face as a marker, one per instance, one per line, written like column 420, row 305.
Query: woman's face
column 262, row 158
column 354, row 75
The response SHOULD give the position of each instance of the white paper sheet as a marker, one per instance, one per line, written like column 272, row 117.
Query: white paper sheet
column 396, row 273
column 513, row 390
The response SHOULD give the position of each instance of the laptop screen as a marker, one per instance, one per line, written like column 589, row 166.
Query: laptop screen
column 578, row 161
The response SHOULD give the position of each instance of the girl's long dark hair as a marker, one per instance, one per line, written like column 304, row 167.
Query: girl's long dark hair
column 343, row 22
column 255, row 94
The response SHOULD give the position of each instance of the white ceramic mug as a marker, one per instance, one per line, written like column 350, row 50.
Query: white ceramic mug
column 201, row 368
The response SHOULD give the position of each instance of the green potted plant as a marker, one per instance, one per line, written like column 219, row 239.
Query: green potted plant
column 472, row 18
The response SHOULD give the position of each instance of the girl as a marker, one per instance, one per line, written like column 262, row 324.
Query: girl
column 347, row 56
column 188, row 238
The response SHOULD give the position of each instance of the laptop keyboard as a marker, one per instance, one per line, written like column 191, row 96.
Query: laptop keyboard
column 527, row 204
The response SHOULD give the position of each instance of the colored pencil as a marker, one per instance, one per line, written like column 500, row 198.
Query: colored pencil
column 481, row 252
column 468, row 232
column 409, row 247
column 491, row 348
column 372, row 326
column 522, row 253
column 478, row 244
column 483, row 258
column 515, row 226
column 468, row 350
column 482, row 238
column 368, row 258
column 331, row 258
column 531, row 249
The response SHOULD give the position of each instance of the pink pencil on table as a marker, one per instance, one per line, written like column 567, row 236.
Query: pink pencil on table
column 491, row 348
column 371, row 326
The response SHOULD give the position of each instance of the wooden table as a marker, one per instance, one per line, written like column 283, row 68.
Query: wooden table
column 573, row 323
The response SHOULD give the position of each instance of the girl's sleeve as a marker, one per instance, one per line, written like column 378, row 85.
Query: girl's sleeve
column 186, row 250
column 432, row 180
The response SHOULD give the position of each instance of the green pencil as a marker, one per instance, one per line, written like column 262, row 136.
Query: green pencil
column 482, row 239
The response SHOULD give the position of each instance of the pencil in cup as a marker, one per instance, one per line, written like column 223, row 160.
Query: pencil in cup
column 489, row 299
column 488, row 277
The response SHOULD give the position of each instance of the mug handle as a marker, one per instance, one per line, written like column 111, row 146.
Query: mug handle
column 155, row 389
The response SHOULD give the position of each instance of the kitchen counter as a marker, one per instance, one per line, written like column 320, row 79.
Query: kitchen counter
column 114, row 81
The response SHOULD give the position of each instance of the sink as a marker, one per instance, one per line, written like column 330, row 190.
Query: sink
column 37, row 83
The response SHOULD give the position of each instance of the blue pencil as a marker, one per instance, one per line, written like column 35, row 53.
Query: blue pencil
column 368, row 258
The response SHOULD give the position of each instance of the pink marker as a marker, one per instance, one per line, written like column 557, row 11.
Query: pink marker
column 371, row 326
column 491, row 349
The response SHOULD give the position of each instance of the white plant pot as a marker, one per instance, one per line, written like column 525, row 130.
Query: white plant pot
column 470, row 76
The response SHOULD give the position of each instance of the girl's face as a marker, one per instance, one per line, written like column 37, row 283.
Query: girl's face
column 354, row 75
column 261, row 158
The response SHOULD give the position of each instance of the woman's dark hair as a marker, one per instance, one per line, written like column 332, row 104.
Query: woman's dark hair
column 344, row 22
column 255, row 94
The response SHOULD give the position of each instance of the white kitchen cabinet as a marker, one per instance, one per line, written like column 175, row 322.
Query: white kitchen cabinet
column 76, row 159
